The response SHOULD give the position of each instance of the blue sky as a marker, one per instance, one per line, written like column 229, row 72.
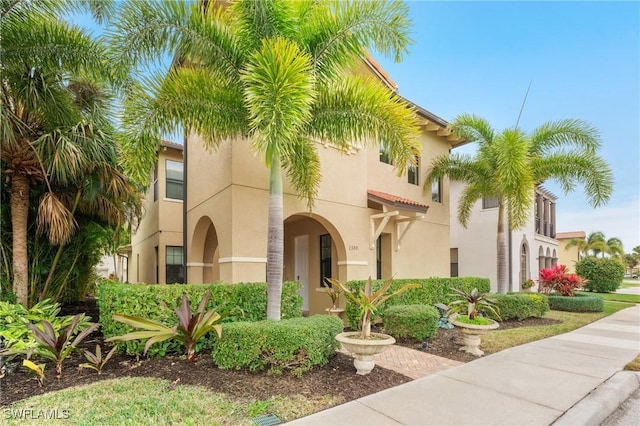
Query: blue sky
column 583, row 59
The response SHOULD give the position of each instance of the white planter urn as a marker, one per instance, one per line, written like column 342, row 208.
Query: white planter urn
column 472, row 333
column 363, row 350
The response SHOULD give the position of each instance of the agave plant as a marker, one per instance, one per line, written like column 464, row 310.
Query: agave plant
column 96, row 361
column 474, row 302
column 190, row 329
column 368, row 301
column 57, row 347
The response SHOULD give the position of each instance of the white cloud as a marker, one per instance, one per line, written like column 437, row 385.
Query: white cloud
column 621, row 221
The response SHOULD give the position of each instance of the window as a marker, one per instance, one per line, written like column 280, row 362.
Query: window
column 175, row 270
column 524, row 259
column 384, row 154
column 436, row 191
column 454, row 262
column 155, row 183
column 413, row 173
column 490, row 202
column 175, row 180
column 325, row 258
column 379, row 258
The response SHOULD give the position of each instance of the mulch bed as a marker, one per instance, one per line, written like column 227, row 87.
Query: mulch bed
column 337, row 378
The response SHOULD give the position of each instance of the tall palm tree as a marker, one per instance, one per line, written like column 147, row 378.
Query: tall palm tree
column 510, row 164
column 598, row 244
column 52, row 115
column 274, row 72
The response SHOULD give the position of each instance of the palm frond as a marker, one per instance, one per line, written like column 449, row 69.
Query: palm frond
column 473, row 129
column 302, row 166
column 572, row 133
column 55, row 220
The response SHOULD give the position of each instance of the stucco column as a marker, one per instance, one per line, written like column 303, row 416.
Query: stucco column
column 552, row 206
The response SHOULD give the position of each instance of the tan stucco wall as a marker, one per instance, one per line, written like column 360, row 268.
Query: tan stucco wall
column 568, row 257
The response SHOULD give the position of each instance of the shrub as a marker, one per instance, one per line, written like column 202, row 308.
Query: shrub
column 416, row 321
column 295, row 344
column 430, row 292
column 153, row 302
column 556, row 280
column 577, row 303
column 520, row 306
column 601, row 275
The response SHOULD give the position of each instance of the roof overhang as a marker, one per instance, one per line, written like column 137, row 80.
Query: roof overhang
column 395, row 202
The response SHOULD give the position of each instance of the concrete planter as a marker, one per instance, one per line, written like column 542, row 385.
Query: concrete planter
column 364, row 349
column 472, row 333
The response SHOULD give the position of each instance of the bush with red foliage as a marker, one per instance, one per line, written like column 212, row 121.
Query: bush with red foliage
column 557, row 280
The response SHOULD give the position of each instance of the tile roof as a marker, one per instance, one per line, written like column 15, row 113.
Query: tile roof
column 396, row 201
column 170, row 144
column 570, row 235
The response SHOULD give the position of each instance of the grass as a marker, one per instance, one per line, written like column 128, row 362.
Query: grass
column 633, row 365
column 628, row 283
column 616, row 297
column 499, row 340
column 134, row 401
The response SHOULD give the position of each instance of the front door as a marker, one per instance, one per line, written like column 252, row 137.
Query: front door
column 301, row 268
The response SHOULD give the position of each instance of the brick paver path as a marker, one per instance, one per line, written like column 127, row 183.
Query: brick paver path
column 412, row 363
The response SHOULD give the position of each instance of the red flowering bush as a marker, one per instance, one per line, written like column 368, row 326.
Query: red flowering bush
column 556, row 280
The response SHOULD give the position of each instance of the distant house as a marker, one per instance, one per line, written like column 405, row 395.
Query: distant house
column 474, row 251
column 569, row 256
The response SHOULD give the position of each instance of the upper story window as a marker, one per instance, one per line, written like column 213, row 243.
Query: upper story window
column 175, row 180
column 490, row 202
column 413, row 173
column 155, row 183
column 436, row 191
column 385, row 157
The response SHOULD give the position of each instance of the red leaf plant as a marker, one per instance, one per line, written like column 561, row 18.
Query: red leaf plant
column 557, row 280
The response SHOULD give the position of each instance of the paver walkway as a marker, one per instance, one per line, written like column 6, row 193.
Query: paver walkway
column 413, row 363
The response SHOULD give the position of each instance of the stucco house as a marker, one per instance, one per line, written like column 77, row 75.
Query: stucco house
column 367, row 221
column 474, row 251
column 569, row 255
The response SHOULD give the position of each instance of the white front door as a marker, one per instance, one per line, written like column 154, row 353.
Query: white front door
column 301, row 268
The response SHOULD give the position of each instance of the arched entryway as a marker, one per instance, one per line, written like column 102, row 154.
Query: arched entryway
column 524, row 262
column 204, row 253
column 313, row 251
column 554, row 258
column 548, row 261
column 541, row 260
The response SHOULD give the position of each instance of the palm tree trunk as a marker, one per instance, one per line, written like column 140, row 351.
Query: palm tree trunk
column 19, row 217
column 503, row 279
column 275, row 241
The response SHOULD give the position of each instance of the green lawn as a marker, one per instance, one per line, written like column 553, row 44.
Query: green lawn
column 616, row 297
column 628, row 283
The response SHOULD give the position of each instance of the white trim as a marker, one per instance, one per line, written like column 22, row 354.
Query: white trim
column 199, row 264
column 353, row 262
column 242, row 260
column 173, row 200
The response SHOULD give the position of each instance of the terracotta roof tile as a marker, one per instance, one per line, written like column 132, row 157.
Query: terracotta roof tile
column 395, row 200
column 570, row 235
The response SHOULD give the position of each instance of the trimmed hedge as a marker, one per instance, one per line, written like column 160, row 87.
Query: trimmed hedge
column 157, row 301
column 294, row 344
column 577, row 303
column 416, row 321
column 601, row 275
column 520, row 306
column 430, row 292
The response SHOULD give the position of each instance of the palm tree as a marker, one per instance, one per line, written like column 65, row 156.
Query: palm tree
column 52, row 116
column 274, row 72
column 598, row 244
column 510, row 164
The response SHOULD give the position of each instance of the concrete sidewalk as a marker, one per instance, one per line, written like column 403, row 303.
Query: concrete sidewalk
column 567, row 379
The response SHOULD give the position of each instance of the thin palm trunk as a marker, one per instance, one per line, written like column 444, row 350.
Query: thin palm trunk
column 275, row 242
column 19, row 217
column 503, row 279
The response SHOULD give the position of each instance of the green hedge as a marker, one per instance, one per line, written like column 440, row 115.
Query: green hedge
column 416, row 321
column 157, row 301
column 294, row 344
column 601, row 275
column 520, row 306
column 577, row 303
column 430, row 292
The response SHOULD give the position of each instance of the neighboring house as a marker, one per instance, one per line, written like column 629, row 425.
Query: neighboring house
column 156, row 254
column 474, row 250
column 367, row 221
column 569, row 256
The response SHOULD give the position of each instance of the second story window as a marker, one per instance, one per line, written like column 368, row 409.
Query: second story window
column 490, row 202
column 385, row 157
column 413, row 173
column 155, row 183
column 175, row 180
column 436, row 191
